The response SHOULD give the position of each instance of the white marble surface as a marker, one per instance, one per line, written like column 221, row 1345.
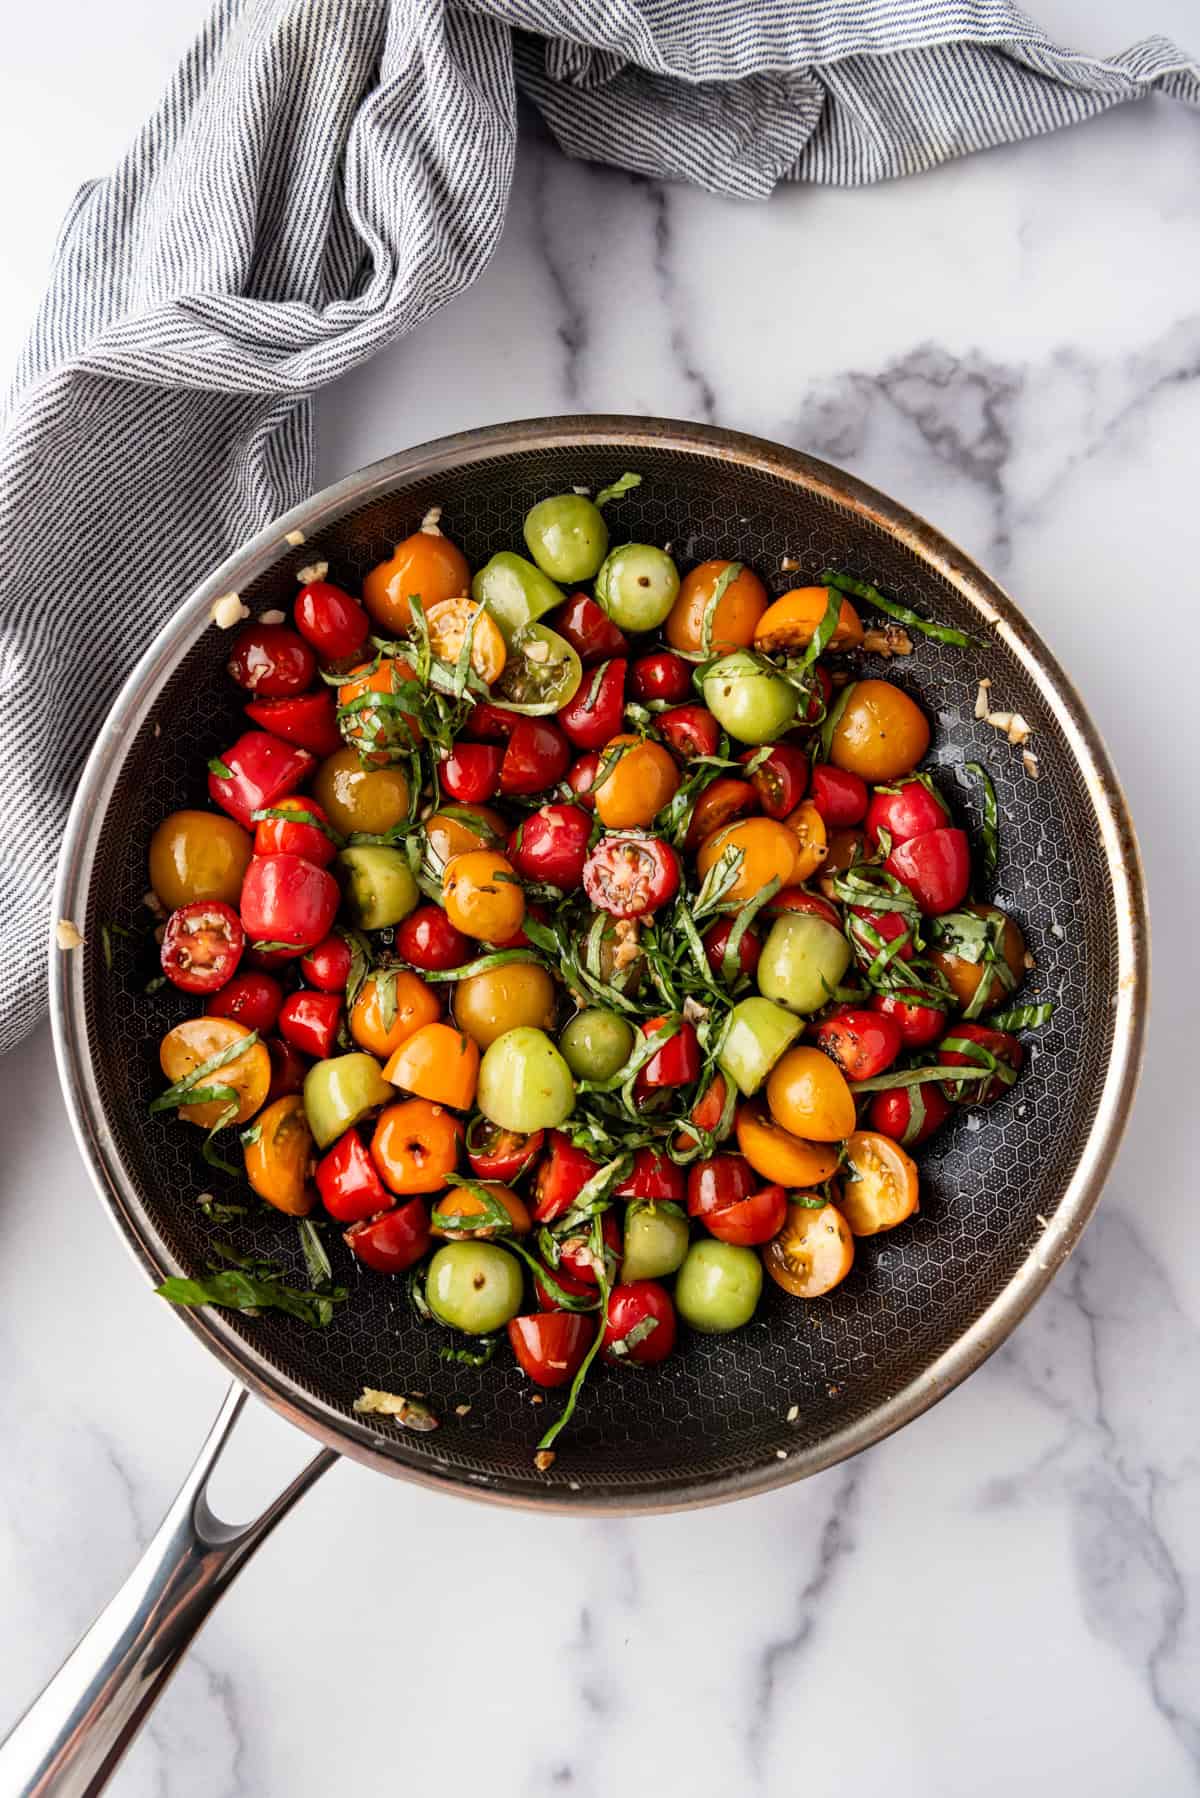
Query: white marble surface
column 1004, row 1597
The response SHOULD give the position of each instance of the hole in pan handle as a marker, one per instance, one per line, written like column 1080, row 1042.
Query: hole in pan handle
column 68, row 1743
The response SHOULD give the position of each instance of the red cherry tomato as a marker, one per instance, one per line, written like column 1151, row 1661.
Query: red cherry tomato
column 272, row 660
column 581, row 778
column 985, row 1048
column 288, row 902
column 935, row 867
column 643, row 1309
column 677, row 1063
column 654, row 1176
column 661, row 675
column 575, row 1255
column 304, row 831
column 750, row 1221
column 796, row 899
column 251, row 999
column 327, row 967
column 862, row 1043
column 471, row 772
column 309, row 720
column 839, row 796
column 690, row 730
column 348, row 1181
column 537, row 756
column 260, row 771
column 288, row 1068
column 818, row 705
column 552, row 845
column 594, row 715
column 497, row 1154
column 719, row 1182
column 780, row 780
column 715, row 942
column 589, row 630
column 394, row 1242
column 911, row 1113
column 630, row 875
column 429, row 940
column 334, row 624
column 723, row 800
column 488, row 723
column 551, row 1345
column 887, row 925
column 309, row 1021
column 202, row 946
column 545, row 1283
column 920, row 1024
column 561, row 1177
column 907, row 809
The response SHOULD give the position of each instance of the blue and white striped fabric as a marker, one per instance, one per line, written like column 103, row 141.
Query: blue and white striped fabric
column 320, row 177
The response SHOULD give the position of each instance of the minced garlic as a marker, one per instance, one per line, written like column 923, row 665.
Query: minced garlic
column 275, row 616
column 431, row 521
column 295, row 538
column 227, row 611
column 316, row 571
column 68, row 935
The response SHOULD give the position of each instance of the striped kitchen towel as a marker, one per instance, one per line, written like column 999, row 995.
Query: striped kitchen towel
column 321, row 176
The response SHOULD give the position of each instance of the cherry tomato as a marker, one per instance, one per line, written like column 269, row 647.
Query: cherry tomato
column 792, row 621
column 551, row 845
column 450, row 621
column 637, row 778
column 690, row 730
column 720, row 804
column 910, row 1113
column 985, row 1048
column 589, row 630
column 309, row 1021
column 594, row 715
column 862, row 1043
column 881, row 734
column 935, row 867
column 813, row 1251
column 551, row 1345
column 288, row 902
column 780, row 779
column 537, row 756
column 653, row 1176
column 427, row 563
column 185, row 1047
column 327, row 967
column 253, row 999
column 808, row 1096
column 498, row 1154
column 863, row 926
column 643, row 1307
column 750, row 1221
column 796, row 899
column 394, row 1242
column 716, row 941
column 561, row 1177
column 288, row 1068
column 839, row 796
column 808, row 827
column 734, row 618
column 439, row 1063
column 767, row 852
column 920, row 1024
column 575, row 1254
column 278, row 1157
column 630, row 876
column 202, row 946
column 305, row 831
column 308, row 719
column 880, row 1185
column 999, row 970
column 415, row 1146
column 661, row 675
column 260, row 771
column 428, row 939
column 581, row 778
column 718, row 1182
column 272, row 660
column 379, row 733
column 488, row 723
column 471, row 772
column 482, row 895
column 908, row 809
column 333, row 623
column 568, row 1288
column 781, row 1158
column 706, row 1114
column 468, row 1213
column 677, row 1063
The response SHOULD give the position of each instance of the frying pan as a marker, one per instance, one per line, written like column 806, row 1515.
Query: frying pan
column 1005, row 1190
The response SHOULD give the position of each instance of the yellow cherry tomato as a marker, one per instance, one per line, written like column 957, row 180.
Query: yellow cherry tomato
column 813, row 1251
column 808, row 827
column 426, row 564
column 780, row 1157
column 457, row 828
column 791, row 622
column 279, row 1159
column 737, row 611
column 881, row 734
column 768, row 853
column 199, row 855
column 519, row 993
column 483, row 896
column 641, row 778
column 450, row 620
column 389, row 1006
column 196, row 1040
column 880, row 1184
column 807, row 1095
column 358, row 798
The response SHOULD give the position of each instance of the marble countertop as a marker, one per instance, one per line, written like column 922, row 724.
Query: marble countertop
column 1006, row 1596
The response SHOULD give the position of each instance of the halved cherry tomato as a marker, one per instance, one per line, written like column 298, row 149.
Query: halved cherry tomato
column 476, row 1213
column 498, row 1154
column 862, row 1043
column 813, row 1252
column 653, row 1176
column 581, row 778
column 272, row 660
column 662, row 676
column 777, row 1155
column 248, row 1074
column 808, row 827
column 537, row 756
column 577, row 1260
column 631, row 875
column 279, row 1157
column 637, row 778
column 749, row 1221
column 908, row 809
column 333, row 623
column 734, row 618
column 303, row 830
column 643, row 1311
column 426, row 563
column 690, row 730
column 471, row 772
column 840, row 797
column 309, row 1021
column 327, row 967
column 389, row 1007
column 551, row 845
column 393, row 1242
column 920, row 1024
column 872, row 932
column 984, row 1048
column 998, row 964
column 720, row 804
column 793, row 620
column 428, row 939
column 935, row 867
column 308, row 719
column 706, row 1114
column 561, row 1178
column 551, row 1345
column 449, row 620
column 779, row 779
column 677, row 1063
column 260, row 769
column 348, row 1181
column 202, row 946
column 368, row 717
column 879, row 1183
column 910, row 1113
column 594, row 715
column 253, row 999
column 796, row 899
column 415, row 1146
column 288, row 1068
column 437, row 1062
column 720, row 1181
column 288, row 902
column 716, row 941
column 588, row 629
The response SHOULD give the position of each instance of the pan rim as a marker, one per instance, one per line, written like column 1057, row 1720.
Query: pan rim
column 996, row 611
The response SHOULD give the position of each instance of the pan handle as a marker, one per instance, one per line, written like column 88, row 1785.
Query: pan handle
column 68, row 1743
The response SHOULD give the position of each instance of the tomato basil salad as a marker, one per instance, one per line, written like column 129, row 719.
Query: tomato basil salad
column 583, row 956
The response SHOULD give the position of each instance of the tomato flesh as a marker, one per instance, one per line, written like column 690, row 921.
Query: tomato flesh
column 677, row 1063
column 561, row 1177
column 690, row 730
column 780, row 779
column 498, row 1154
column 202, row 946
column 631, row 875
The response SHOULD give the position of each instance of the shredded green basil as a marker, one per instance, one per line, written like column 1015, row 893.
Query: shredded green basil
column 471, row 1357
column 619, row 488
column 1022, row 1017
column 251, row 1286
column 188, row 1092
column 940, row 633
column 990, row 831
column 221, row 769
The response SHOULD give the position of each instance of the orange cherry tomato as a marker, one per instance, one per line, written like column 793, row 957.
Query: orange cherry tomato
column 483, row 896
column 880, row 1184
column 808, row 827
column 279, row 1160
column 439, row 1063
column 457, row 828
column 358, row 798
column 768, row 853
column 737, row 612
column 781, row 1158
column 415, row 1146
column 379, row 732
column 792, row 621
column 505, row 998
column 194, row 1041
column 426, row 564
column 389, row 1007
column 965, row 977
column 639, row 781
column 456, row 1213
column 450, row 620
column 718, row 805
column 808, row 1096
column 881, row 734
column 813, row 1251
column 199, row 855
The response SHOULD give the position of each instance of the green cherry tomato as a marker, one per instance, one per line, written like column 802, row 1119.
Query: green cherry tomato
column 340, row 1092
column 637, row 586
column 524, row 1083
column 541, row 674
column 656, row 1241
column 718, row 1287
column 379, row 885
column 758, row 1034
column 748, row 701
column 596, row 1043
column 567, row 537
column 802, row 960
column 474, row 1286
column 514, row 591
